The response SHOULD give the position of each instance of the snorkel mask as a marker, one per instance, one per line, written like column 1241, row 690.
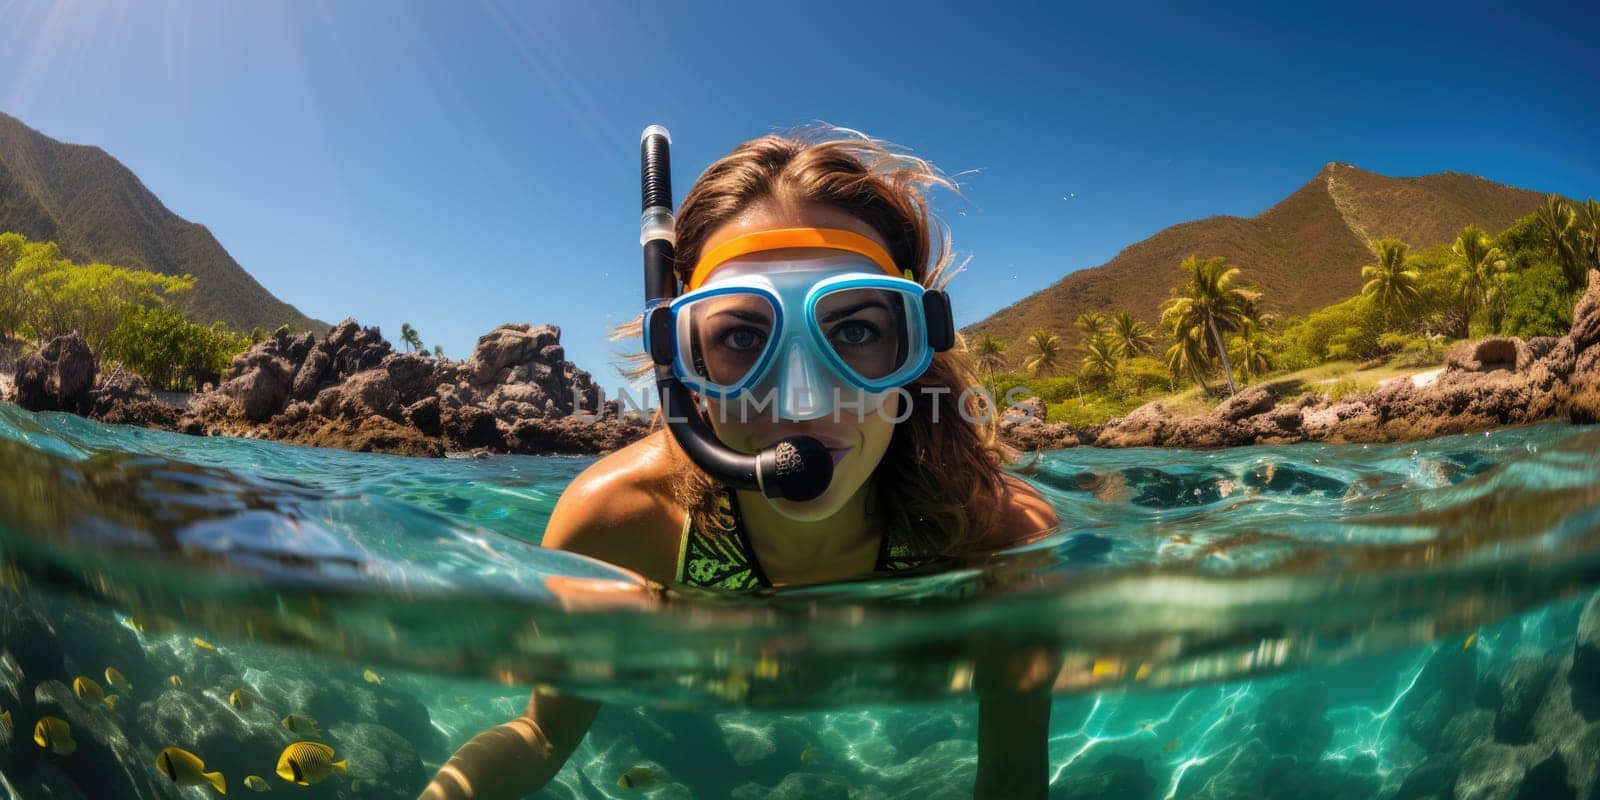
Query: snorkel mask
column 797, row 338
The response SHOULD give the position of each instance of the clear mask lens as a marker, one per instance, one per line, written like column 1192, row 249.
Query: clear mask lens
column 867, row 328
column 728, row 336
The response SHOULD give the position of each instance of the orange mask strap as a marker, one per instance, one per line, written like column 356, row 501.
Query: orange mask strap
column 782, row 238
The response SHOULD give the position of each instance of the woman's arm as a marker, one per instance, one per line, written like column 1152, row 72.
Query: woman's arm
column 1013, row 745
column 1014, row 720
column 1014, row 691
column 602, row 514
column 515, row 759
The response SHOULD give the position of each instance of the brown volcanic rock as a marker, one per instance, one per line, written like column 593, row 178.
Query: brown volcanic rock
column 366, row 435
column 522, row 370
column 1304, row 253
column 1149, row 425
column 351, row 390
column 57, row 378
column 471, row 428
column 125, row 399
column 1488, row 355
column 1248, row 403
column 261, row 389
column 1584, row 404
column 1584, row 343
column 568, row 435
column 1586, row 315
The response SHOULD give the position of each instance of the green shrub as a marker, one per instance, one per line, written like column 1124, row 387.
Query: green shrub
column 1534, row 301
column 1093, row 410
column 1347, row 387
column 171, row 351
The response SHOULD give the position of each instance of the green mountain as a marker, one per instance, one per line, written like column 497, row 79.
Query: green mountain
column 1305, row 252
column 98, row 211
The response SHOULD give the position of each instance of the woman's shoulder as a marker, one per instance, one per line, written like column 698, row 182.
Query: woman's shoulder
column 1024, row 514
column 620, row 510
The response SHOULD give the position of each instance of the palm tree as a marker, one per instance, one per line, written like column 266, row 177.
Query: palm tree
column 990, row 353
column 1209, row 300
column 1188, row 355
column 1090, row 324
column 1560, row 222
column 1589, row 234
column 1393, row 287
column 1101, row 357
column 438, row 351
column 1046, row 353
column 409, row 337
column 1131, row 336
column 1249, row 351
column 1479, row 262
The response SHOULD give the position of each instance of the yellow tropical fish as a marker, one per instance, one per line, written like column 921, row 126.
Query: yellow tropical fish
column 116, row 680
column 257, row 783
column 239, row 699
column 55, row 735
column 301, row 725
column 177, row 682
column 306, row 763
column 5, row 718
column 203, row 644
column 372, row 677
column 1471, row 638
column 152, row 625
column 808, row 755
column 640, row 777
column 87, row 690
column 112, row 700
column 186, row 769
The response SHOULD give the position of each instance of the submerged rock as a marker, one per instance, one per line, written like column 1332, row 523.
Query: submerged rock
column 1112, row 777
column 385, row 762
column 1293, row 721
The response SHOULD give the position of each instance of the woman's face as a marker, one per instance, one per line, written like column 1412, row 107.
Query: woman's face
column 857, row 440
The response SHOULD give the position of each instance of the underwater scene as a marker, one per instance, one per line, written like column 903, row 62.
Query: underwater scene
column 182, row 615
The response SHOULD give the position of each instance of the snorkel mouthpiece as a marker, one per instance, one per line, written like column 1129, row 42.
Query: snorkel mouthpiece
column 798, row 468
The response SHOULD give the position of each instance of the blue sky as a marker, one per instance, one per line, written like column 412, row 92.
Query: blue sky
column 459, row 165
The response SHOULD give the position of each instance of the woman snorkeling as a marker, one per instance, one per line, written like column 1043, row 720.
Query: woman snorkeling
column 811, row 270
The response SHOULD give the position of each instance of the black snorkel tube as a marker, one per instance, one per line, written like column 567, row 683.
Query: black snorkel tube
column 797, row 468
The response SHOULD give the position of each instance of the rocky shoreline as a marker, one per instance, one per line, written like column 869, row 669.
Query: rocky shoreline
column 517, row 394
column 1491, row 383
column 352, row 391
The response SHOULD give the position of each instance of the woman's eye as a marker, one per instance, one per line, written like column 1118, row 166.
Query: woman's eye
column 743, row 339
column 856, row 334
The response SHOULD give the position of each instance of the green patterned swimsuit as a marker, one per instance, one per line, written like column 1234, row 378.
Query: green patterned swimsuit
column 723, row 560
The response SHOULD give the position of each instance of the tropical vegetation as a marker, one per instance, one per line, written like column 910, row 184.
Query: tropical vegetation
column 1213, row 335
column 126, row 316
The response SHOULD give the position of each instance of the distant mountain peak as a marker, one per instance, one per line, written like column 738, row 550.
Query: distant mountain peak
column 1304, row 252
column 82, row 198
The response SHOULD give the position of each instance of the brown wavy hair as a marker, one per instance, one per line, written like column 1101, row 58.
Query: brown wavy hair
column 939, row 484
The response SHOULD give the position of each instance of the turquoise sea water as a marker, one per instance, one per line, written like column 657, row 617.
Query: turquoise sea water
column 1306, row 621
